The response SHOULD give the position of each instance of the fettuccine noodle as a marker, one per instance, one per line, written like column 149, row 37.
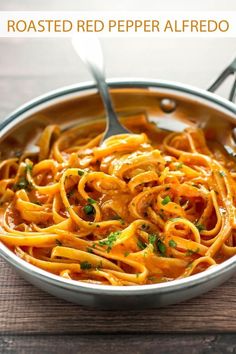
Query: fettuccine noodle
column 140, row 208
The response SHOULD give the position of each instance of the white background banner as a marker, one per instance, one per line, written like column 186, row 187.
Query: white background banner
column 118, row 24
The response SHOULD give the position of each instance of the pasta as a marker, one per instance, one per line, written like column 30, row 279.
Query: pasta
column 140, row 208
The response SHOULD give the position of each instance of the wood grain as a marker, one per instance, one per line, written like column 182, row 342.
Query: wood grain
column 125, row 344
column 25, row 309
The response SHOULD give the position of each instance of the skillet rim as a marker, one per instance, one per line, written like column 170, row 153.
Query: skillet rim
column 172, row 286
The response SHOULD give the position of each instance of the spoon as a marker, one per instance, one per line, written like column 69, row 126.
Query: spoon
column 89, row 50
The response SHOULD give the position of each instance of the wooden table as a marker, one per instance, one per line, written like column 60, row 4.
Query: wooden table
column 34, row 322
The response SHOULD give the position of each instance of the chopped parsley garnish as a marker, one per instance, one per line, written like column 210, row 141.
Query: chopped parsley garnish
column 99, row 266
column 80, row 172
column 85, row 265
column 222, row 173
column 179, row 165
column 191, row 252
column 172, row 244
column 91, row 201
column 152, row 238
column 70, row 193
column 161, row 247
column 190, row 265
column 88, row 209
column 89, row 250
column 58, row 242
column 117, row 217
column 28, row 168
column 166, row 200
column 141, row 244
column 110, row 240
column 200, row 227
column 23, row 183
column 126, row 254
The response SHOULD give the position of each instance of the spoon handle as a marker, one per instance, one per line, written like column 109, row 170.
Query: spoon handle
column 89, row 50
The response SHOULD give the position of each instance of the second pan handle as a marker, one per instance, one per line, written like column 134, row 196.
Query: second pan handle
column 230, row 70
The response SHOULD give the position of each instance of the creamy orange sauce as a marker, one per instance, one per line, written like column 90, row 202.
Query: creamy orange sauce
column 141, row 208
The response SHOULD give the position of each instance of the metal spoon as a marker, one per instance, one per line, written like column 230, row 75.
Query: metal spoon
column 89, row 50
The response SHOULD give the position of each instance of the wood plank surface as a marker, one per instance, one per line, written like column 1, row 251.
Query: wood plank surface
column 26, row 309
column 117, row 344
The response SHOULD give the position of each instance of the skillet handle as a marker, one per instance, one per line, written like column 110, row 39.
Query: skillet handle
column 230, row 70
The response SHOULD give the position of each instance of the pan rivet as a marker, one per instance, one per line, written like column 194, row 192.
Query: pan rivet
column 168, row 105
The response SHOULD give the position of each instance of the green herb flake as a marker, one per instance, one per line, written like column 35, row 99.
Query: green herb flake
column 91, row 201
column 70, row 193
column 28, row 168
column 58, row 242
column 117, row 217
column 222, row 173
column 190, row 265
column 141, row 244
column 161, row 247
column 110, row 240
column 89, row 250
column 200, row 227
column 80, row 172
column 99, row 266
column 152, row 238
column 166, row 200
column 152, row 278
column 172, row 244
column 126, row 254
column 23, row 183
column 85, row 265
column 191, row 252
column 179, row 165
column 88, row 209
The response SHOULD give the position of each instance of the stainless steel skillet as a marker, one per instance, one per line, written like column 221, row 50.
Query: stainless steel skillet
column 162, row 101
